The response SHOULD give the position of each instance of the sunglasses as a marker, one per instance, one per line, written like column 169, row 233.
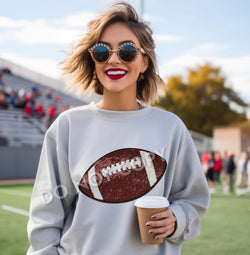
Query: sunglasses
column 127, row 52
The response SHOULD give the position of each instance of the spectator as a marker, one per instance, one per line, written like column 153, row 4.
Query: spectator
column 241, row 174
column 12, row 96
column 48, row 93
column 35, row 90
column 210, row 173
column 50, row 115
column 57, row 98
column 225, row 156
column 19, row 102
column 229, row 169
column 1, row 80
column 248, row 173
column 29, row 109
column 217, row 166
column 8, row 91
column 18, row 98
column 204, row 161
column 39, row 110
column 30, row 96
column 63, row 109
column 3, row 101
column 21, row 93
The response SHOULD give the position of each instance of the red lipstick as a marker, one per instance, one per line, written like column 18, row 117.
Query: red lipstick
column 115, row 73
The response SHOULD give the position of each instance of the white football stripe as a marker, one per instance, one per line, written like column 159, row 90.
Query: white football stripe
column 93, row 184
column 150, row 170
column 15, row 192
column 15, row 210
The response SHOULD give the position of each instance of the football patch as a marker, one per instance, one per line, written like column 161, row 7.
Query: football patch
column 123, row 175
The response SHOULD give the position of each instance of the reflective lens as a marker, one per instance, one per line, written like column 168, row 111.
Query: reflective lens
column 101, row 53
column 127, row 52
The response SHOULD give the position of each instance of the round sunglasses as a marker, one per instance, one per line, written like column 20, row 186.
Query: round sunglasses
column 127, row 52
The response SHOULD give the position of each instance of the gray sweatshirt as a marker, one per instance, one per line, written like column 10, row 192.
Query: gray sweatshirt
column 94, row 163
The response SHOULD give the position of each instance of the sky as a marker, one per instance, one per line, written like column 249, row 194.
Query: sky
column 187, row 33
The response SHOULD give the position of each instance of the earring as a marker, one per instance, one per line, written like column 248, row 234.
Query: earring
column 141, row 77
column 94, row 77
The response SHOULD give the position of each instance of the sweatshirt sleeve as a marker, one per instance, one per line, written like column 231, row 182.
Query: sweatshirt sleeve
column 52, row 196
column 189, row 194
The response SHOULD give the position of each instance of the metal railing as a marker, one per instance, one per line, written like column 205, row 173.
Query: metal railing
column 202, row 142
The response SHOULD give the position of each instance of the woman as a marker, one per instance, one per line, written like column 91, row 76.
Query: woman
column 121, row 136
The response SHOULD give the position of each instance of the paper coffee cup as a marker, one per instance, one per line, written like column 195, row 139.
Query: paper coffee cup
column 146, row 207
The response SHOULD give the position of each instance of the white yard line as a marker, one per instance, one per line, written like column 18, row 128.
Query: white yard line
column 15, row 192
column 15, row 210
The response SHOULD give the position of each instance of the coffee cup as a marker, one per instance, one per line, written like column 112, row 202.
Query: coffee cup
column 146, row 207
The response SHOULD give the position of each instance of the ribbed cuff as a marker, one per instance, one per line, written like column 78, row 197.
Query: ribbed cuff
column 180, row 221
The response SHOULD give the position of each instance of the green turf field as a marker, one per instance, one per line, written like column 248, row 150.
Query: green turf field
column 13, row 237
column 225, row 228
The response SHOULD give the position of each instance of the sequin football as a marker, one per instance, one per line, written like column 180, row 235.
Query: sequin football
column 123, row 175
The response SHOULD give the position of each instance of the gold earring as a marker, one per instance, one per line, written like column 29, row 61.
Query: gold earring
column 94, row 77
column 141, row 77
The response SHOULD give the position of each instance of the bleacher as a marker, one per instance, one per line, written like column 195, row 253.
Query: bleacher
column 20, row 130
column 17, row 83
column 17, row 130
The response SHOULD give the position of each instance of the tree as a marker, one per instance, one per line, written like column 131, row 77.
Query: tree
column 204, row 101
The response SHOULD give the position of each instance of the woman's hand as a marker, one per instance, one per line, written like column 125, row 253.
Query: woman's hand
column 163, row 224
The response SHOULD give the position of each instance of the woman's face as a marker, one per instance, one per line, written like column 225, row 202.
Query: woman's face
column 116, row 76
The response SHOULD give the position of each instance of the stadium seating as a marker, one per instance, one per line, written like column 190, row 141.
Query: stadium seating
column 20, row 130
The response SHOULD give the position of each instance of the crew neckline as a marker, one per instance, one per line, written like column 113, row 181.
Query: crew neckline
column 120, row 115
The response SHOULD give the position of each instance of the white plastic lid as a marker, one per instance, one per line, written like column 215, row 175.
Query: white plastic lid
column 152, row 202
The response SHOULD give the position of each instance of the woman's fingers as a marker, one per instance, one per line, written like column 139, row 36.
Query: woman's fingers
column 163, row 224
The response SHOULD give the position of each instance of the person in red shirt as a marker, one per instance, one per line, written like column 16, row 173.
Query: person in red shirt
column 204, row 161
column 217, row 166
column 28, row 109
column 63, row 109
column 39, row 110
column 50, row 115
column 52, row 112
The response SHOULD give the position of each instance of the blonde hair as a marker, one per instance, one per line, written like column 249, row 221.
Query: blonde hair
column 80, row 68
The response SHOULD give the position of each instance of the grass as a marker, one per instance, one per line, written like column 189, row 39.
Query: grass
column 225, row 228
column 13, row 234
